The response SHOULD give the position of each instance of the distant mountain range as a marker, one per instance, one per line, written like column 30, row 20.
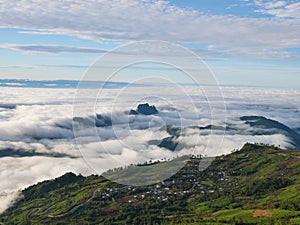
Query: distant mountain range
column 59, row 83
column 272, row 127
column 262, row 125
column 257, row 185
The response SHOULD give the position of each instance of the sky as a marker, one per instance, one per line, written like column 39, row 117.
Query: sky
column 243, row 42
column 240, row 42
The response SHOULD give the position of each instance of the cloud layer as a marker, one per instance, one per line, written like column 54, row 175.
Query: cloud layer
column 37, row 130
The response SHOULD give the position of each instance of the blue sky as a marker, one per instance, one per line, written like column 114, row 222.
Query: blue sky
column 219, row 7
column 248, row 42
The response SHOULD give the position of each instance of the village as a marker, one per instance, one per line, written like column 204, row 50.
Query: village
column 187, row 181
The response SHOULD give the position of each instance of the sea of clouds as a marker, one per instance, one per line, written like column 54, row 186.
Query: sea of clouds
column 39, row 139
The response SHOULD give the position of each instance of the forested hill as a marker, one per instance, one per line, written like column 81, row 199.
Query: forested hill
column 257, row 185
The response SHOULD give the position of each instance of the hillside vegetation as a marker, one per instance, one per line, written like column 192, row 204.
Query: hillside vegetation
column 257, row 185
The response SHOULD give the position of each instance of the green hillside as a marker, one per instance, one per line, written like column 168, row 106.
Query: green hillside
column 256, row 185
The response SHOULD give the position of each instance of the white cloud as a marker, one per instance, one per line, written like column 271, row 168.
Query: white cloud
column 280, row 9
column 139, row 20
column 8, row 198
column 270, row 4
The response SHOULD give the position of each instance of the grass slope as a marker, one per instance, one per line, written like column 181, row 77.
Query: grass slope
column 256, row 185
